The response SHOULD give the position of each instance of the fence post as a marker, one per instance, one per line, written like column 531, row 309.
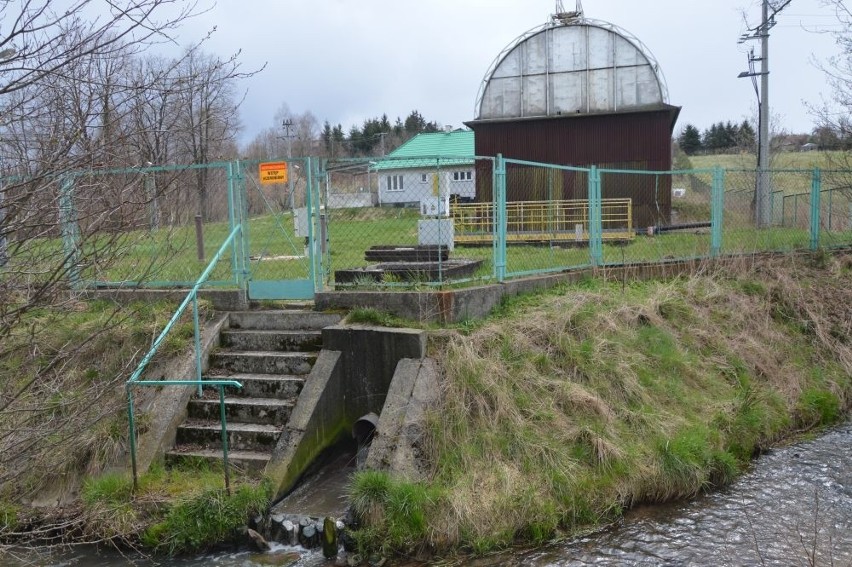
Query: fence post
column 830, row 208
column 232, row 222
column 131, row 424
column 312, row 210
column 595, row 217
column 816, row 188
column 241, row 201
column 224, row 438
column 500, row 221
column 70, row 230
column 717, row 211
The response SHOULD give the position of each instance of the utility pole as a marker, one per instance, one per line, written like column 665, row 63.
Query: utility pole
column 764, row 187
column 763, row 191
column 287, row 124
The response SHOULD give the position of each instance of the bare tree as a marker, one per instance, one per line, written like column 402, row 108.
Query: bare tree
column 77, row 93
column 208, row 114
column 835, row 114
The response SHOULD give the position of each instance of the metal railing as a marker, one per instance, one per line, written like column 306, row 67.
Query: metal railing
column 543, row 221
column 199, row 381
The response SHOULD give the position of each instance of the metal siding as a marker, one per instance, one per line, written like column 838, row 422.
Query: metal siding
column 636, row 140
column 581, row 67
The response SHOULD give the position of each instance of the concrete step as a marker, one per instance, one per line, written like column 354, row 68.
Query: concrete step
column 241, row 436
column 283, row 320
column 262, row 362
column 277, row 386
column 285, row 305
column 291, row 341
column 250, row 462
column 263, row 411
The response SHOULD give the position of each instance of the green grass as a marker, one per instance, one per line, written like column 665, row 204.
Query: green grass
column 177, row 510
column 210, row 517
column 566, row 407
column 395, row 510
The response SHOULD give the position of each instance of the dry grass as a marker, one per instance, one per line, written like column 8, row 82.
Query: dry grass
column 571, row 406
column 62, row 397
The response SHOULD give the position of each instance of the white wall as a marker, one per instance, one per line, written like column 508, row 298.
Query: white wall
column 418, row 184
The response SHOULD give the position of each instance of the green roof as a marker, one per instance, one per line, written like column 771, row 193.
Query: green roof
column 427, row 150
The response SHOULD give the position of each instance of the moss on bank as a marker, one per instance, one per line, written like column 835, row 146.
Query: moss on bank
column 571, row 406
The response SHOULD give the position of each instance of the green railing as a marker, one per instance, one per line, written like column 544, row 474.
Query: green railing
column 199, row 381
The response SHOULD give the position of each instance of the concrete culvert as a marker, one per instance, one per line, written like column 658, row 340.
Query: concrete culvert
column 363, row 431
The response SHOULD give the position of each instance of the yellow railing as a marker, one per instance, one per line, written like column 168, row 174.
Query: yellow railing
column 543, row 221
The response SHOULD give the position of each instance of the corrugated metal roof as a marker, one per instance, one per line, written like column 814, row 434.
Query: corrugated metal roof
column 431, row 149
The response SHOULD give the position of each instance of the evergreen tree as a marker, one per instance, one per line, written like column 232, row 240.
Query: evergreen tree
column 730, row 133
column 327, row 137
column 414, row 123
column 710, row 138
column 746, row 137
column 690, row 140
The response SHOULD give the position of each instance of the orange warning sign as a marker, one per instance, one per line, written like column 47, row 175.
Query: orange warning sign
column 273, row 172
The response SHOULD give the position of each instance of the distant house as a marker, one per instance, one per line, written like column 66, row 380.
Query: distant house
column 809, row 147
column 428, row 165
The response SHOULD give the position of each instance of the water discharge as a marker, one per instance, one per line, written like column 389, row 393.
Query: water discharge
column 793, row 508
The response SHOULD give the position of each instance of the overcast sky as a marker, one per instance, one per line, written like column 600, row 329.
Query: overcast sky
column 347, row 60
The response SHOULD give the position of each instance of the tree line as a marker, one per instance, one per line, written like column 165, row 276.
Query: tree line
column 720, row 137
column 375, row 136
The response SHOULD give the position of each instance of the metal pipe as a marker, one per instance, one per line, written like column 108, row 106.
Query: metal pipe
column 224, row 439
column 131, row 423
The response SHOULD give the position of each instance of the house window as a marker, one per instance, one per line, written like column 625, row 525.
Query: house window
column 423, row 177
column 394, row 182
column 462, row 176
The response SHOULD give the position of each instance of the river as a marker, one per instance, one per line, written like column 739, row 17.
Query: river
column 794, row 507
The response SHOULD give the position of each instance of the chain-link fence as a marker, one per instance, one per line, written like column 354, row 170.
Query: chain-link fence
column 154, row 226
column 404, row 223
column 835, row 211
column 390, row 222
column 670, row 215
column 276, row 218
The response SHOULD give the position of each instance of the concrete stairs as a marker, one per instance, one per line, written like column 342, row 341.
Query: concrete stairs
column 271, row 354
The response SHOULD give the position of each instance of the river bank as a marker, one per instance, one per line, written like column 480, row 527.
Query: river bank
column 566, row 410
column 794, row 503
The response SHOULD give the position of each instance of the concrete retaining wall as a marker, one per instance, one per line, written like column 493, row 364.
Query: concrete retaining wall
column 453, row 306
column 222, row 300
column 350, row 378
column 396, row 443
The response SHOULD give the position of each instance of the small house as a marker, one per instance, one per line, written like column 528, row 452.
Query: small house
column 436, row 164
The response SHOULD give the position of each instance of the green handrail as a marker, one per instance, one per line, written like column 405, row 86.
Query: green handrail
column 192, row 297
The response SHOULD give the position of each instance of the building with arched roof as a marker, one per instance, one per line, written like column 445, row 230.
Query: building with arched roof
column 578, row 92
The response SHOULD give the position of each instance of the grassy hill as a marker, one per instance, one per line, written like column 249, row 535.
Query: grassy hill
column 780, row 160
column 569, row 407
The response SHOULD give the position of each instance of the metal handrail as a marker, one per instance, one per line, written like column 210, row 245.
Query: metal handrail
column 191, row 297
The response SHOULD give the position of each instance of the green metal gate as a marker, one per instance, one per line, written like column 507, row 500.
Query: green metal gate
column 282, row 228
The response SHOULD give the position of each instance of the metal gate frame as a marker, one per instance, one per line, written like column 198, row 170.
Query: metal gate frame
column 285, row 288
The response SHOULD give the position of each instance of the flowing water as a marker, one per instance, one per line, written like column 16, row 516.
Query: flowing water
column 793, row 508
